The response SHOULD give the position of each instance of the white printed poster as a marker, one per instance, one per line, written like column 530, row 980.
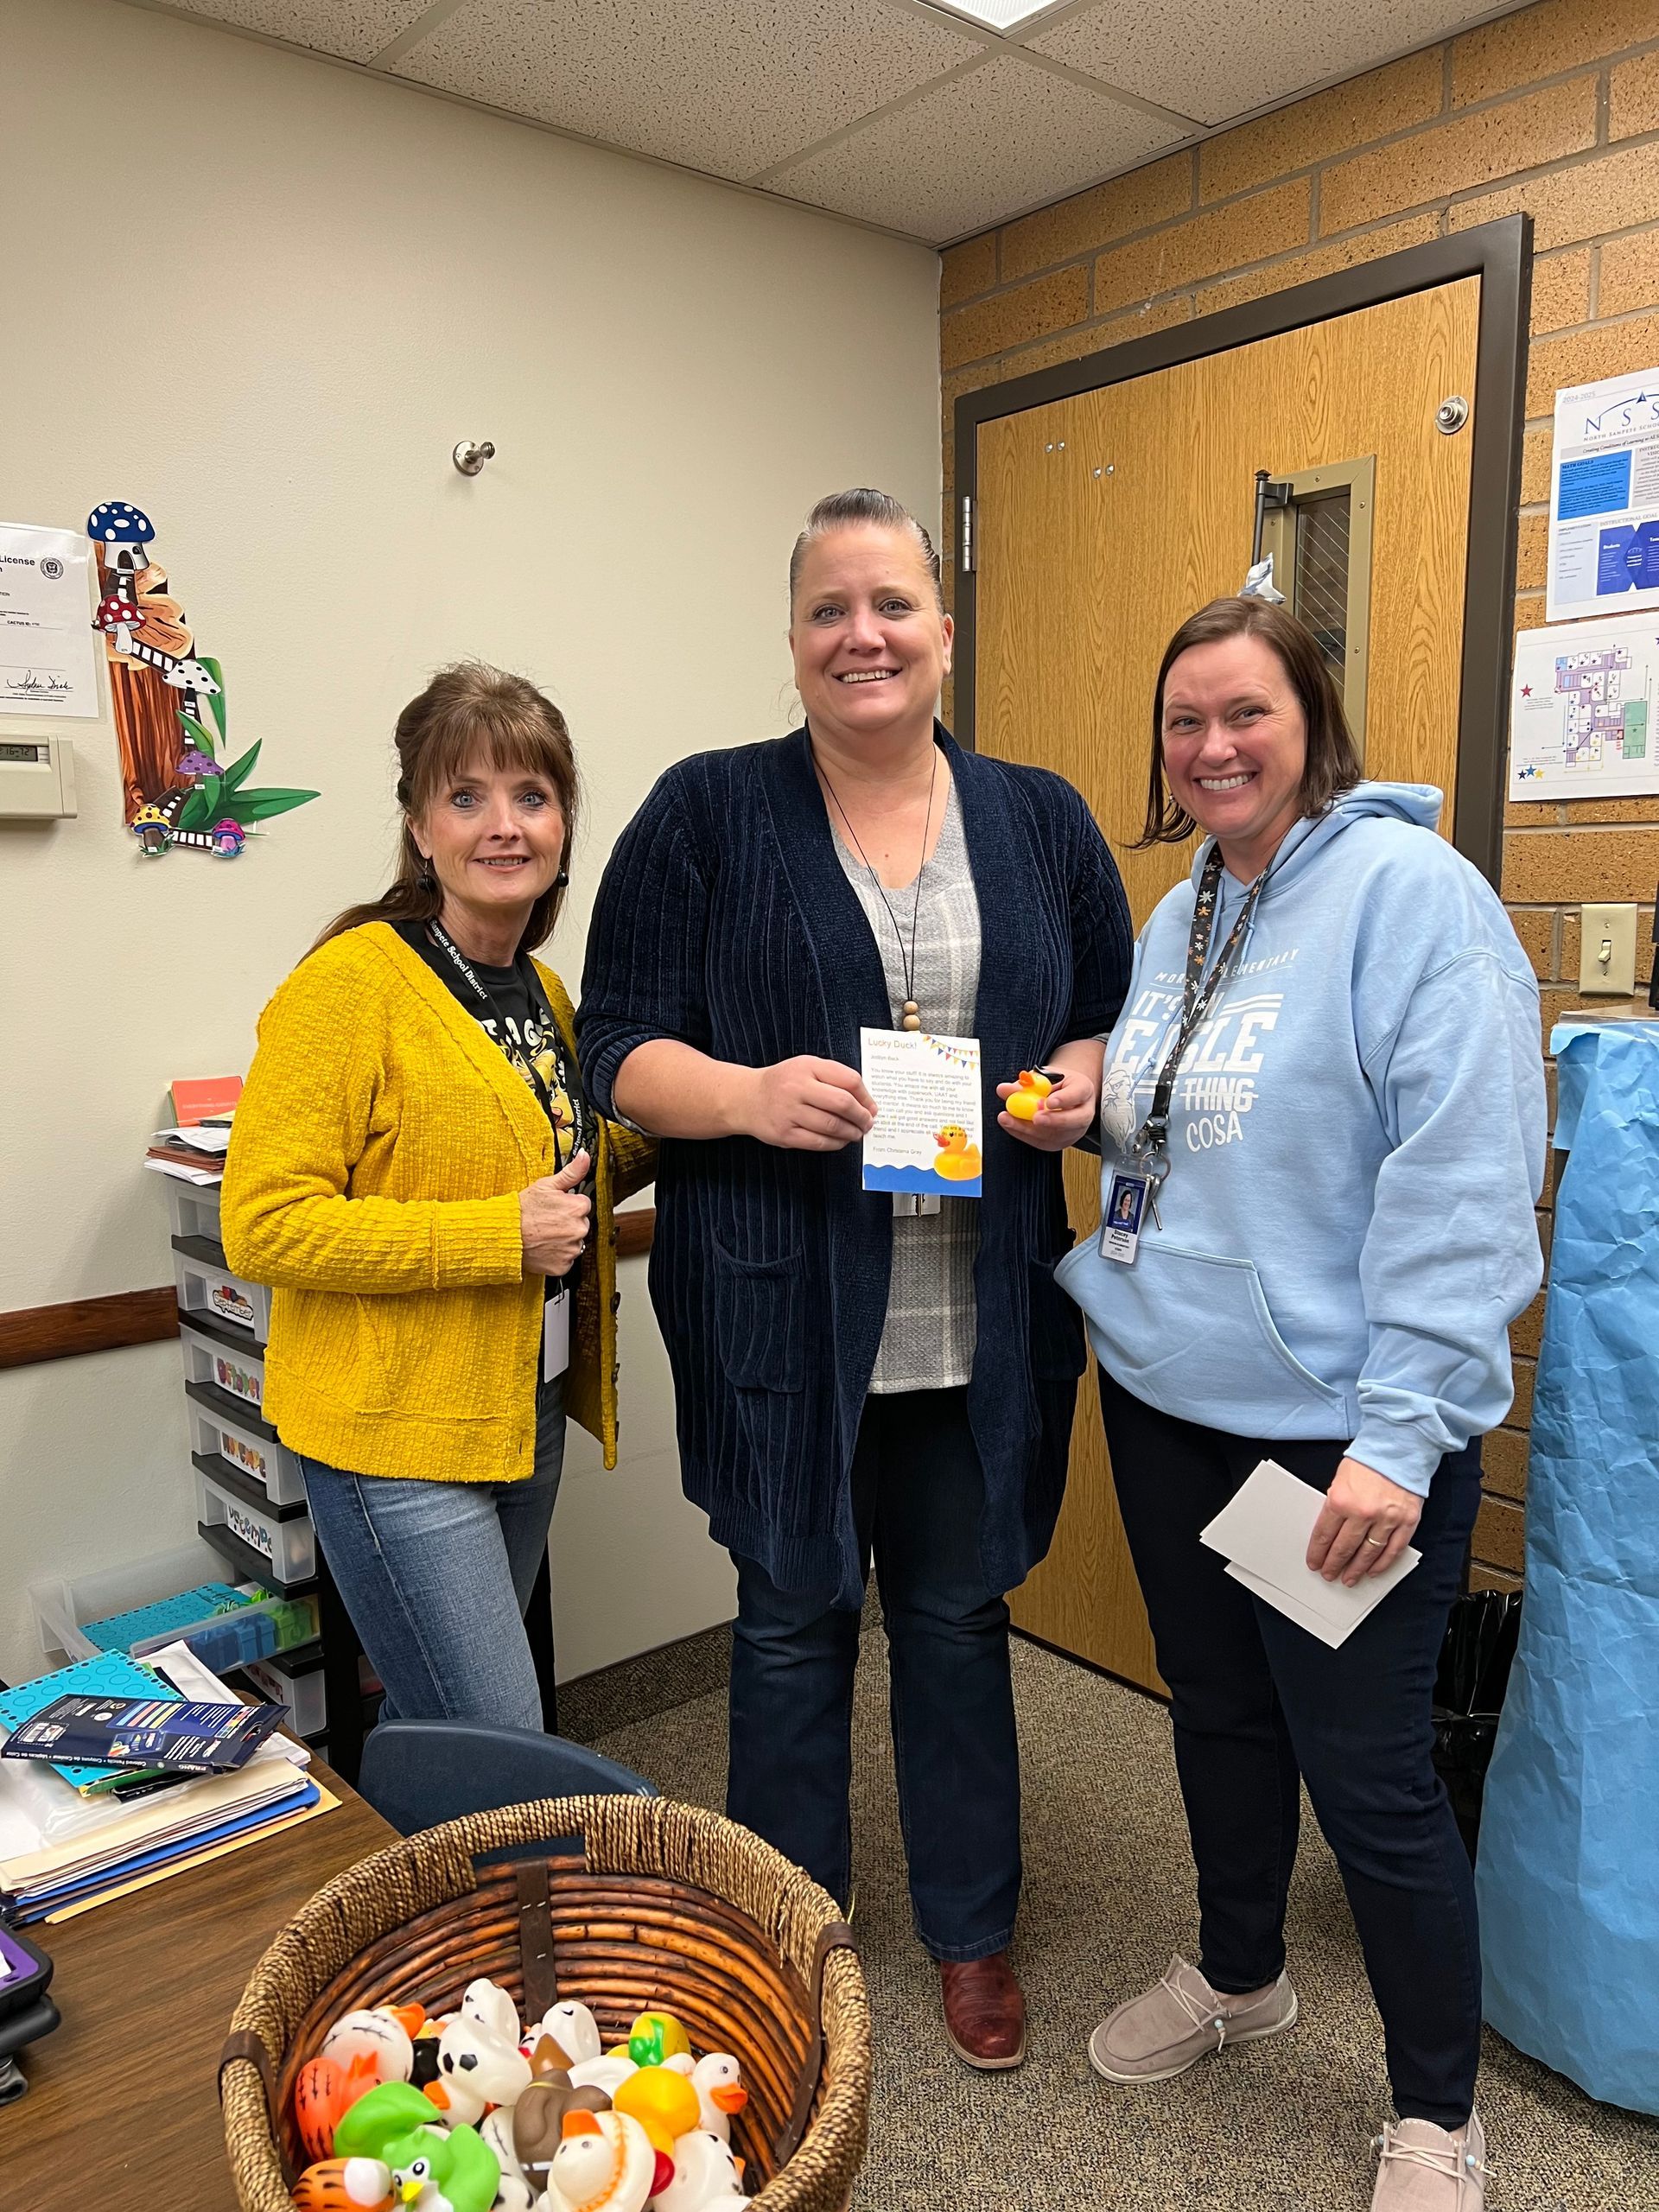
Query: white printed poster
column 1582, row 711
column 1604, row 498
column 48, row 662
column 929, row 1130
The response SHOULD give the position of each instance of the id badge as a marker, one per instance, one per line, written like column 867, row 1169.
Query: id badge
column 555, row 1334
column 1120, row 1227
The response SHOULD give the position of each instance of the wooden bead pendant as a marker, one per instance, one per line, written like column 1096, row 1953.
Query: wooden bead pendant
column 912, row 1015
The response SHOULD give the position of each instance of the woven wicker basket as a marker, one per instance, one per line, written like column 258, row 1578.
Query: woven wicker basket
column 624, row 1903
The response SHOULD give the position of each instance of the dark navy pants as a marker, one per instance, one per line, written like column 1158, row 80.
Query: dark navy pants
column 1260, row 1706
column 917, row 1494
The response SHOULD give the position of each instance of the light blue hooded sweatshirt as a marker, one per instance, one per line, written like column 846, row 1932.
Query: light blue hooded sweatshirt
column 1356, row 1144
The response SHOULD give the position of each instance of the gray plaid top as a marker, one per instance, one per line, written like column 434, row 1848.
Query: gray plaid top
column 927, row 1340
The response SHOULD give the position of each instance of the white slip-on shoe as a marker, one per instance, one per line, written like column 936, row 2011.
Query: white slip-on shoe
column 1429, row 2169
column 1179, row 2020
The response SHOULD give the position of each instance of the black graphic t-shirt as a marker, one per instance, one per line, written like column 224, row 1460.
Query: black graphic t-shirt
column 514, row 1023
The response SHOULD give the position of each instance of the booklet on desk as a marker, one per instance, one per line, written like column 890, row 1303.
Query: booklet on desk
column 1263, row 1531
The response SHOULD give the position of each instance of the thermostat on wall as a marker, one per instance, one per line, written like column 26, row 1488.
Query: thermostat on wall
column 37, row 777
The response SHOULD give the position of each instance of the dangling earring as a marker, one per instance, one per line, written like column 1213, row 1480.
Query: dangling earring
column 426, row 880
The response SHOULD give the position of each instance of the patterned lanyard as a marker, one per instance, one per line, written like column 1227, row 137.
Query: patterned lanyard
column 1148, row 1148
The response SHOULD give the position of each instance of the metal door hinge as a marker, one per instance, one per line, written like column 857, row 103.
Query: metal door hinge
column 965, row 536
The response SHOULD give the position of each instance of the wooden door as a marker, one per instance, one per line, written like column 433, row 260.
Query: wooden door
column 1102, row 521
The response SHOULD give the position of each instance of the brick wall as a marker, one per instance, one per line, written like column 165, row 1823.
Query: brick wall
column 1554, row 111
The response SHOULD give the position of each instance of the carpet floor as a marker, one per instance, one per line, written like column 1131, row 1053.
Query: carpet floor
column 1109, row 1896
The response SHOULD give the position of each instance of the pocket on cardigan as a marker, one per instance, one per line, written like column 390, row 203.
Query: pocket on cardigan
column 758, row 1322
column 1059, row 1352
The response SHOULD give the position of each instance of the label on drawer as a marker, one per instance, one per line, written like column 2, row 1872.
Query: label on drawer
column 252, row 1532
column 240, row 1382
column 248, row 1456
column 229, row 1303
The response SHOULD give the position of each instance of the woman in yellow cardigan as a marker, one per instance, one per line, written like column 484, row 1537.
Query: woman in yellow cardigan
column 415, row 1171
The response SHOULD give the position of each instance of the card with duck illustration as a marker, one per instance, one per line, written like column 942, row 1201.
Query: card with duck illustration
column 929, row 1130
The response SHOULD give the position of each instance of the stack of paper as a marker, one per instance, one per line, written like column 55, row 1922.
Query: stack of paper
column 1263, row 1532
column 61, row 1853
column 192, row 1153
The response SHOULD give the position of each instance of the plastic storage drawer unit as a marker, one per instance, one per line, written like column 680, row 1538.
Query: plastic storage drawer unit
column 206, row 1286
column 210, row 1361
column 281, row 1533
column 229, row 1447
column 193, row 1209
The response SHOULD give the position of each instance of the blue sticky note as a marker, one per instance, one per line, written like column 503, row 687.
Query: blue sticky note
column 1597, row 485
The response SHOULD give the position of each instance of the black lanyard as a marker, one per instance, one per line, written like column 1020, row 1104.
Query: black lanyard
column 1148, row 1148
column 486, row 998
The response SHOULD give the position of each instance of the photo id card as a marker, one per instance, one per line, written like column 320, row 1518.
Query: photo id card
column 555, row 1334
column 928, row 1123
column 1120, row 1226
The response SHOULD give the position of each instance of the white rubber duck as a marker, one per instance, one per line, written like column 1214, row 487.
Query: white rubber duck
column 380, row 2033
column 705, row 2173
column 604, row 2163
column 486, row 2002
column 513, row 2192
column 718, row 2081
column 475, row 2069
column 572, row 2026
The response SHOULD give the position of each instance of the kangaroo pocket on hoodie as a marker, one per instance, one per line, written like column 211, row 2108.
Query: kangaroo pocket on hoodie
column 1190, row 1332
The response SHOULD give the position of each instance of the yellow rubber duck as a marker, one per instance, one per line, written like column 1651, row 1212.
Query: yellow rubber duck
column 662, row 2102
column 1023, row 1102
column 958, row 1161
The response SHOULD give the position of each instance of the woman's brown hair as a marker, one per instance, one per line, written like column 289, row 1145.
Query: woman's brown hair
column 464, row 711
column 1332, row 764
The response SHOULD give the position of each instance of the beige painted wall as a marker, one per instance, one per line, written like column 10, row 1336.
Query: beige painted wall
column 332, row 280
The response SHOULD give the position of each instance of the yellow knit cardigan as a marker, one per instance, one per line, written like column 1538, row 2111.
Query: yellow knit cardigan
column 375, row 1164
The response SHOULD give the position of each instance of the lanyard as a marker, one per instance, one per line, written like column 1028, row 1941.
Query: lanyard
column 486, row 998
column 1148, row 1148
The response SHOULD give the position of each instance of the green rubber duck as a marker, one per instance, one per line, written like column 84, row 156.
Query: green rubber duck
column 456, row 2172
column 391, row 2111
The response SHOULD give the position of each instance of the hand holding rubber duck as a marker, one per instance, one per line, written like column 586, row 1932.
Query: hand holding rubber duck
column 1049, row 1108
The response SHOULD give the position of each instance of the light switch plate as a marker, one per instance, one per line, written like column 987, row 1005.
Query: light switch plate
column 1611, row 930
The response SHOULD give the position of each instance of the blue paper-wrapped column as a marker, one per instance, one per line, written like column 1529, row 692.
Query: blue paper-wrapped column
column 1568, row 1873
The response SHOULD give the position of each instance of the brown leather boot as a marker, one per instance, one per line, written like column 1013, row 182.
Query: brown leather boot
column 984, row 2011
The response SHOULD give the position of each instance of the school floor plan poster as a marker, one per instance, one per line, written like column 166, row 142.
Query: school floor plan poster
column 1584, row 717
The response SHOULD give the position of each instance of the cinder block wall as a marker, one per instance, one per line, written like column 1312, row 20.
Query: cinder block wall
column 1554, row 111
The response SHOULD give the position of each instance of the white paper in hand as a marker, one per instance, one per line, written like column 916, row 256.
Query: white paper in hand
column 1263, row 1532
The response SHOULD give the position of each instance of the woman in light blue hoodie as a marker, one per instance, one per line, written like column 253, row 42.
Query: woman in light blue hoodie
column 1326, row 1087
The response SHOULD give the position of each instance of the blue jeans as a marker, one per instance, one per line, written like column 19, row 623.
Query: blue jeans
column 917, row 1494
column 1260, row 1706
column 435, row 1577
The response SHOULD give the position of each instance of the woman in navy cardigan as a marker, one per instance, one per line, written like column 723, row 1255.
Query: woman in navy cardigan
column 857, row 1378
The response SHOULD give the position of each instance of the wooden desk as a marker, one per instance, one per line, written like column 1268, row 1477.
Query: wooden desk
column 123, row 2102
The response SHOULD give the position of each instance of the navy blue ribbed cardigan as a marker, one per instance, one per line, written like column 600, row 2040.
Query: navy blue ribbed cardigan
column 725, row 920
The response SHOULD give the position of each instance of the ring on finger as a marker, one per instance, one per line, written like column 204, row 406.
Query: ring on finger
column 1382, row 1542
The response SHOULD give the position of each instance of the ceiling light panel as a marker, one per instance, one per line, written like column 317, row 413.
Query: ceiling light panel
column 730, row 86
column 989, row 143
column 1000, row 15
column 354, row 30
column 1200, row 58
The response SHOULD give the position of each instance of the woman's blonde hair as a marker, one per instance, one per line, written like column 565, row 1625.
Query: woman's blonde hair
column 466, row 710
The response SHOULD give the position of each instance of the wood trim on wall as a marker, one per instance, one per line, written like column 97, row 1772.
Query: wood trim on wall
column 128, row 1317
column 31, row 1333
column 1500, row 254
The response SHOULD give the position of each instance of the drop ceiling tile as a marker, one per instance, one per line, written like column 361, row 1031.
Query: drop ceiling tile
column 732, row 87
column 989, row 144
column 357, row 29
column 1205, row 59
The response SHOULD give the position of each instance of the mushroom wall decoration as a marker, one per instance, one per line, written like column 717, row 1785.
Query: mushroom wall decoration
column 117, row 618
column 122, row 527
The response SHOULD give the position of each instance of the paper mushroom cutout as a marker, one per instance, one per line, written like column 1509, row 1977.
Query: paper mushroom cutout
column 117, row 617
column 152, row 830
column 122, row 527
column 195, row 763
column 228, row 838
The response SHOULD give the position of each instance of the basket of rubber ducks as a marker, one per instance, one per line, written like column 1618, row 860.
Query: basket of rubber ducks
column 584, row 2005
